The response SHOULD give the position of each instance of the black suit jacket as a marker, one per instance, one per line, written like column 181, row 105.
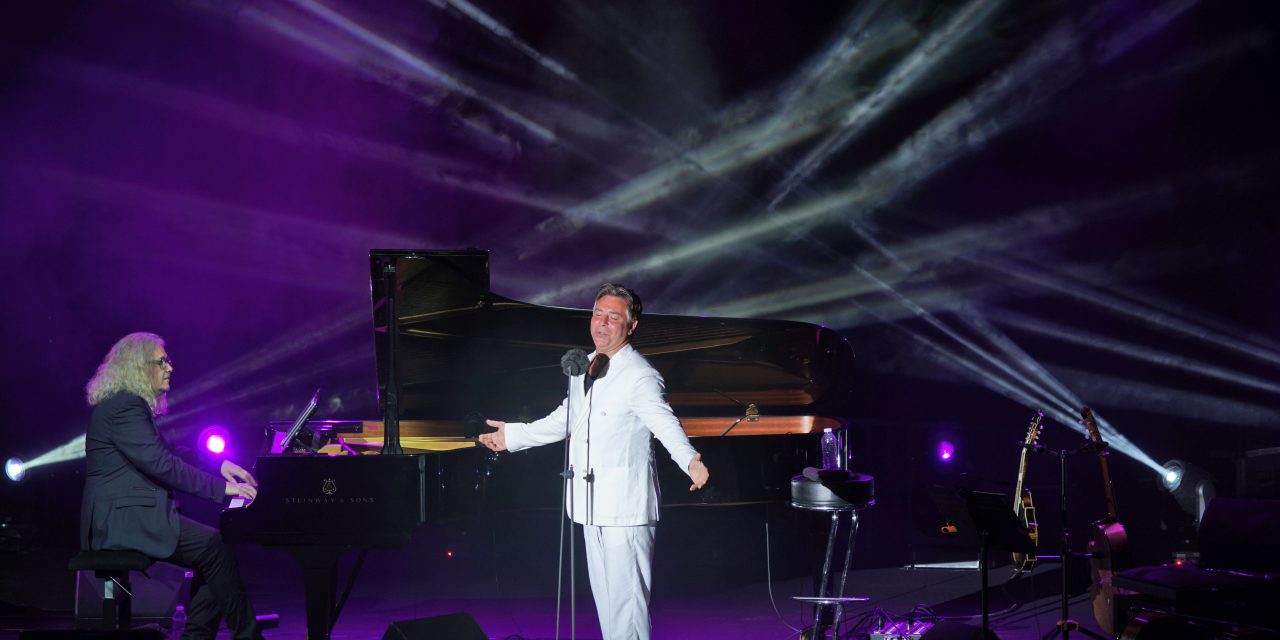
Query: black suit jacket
column 130, row 477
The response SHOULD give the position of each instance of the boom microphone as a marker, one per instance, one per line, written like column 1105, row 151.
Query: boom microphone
column 574, row 362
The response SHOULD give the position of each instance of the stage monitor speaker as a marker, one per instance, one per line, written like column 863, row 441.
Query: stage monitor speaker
column 455, row 626
column 948, row 630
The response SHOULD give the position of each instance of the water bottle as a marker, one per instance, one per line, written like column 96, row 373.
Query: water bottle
column 179, row 622
column 830, row 450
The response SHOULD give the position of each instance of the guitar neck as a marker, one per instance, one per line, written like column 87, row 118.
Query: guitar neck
column 1095, row 434
column 1022, row 474
column 1108, row 491
column 1033, row 432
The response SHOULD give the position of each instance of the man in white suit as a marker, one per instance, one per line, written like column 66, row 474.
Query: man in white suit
column 614, row 491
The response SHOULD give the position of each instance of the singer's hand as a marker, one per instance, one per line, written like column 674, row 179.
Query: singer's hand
column 240, row 489
column 496, row 440
column 232, row 472
column 698, row 472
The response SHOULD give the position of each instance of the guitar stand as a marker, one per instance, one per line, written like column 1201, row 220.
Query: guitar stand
column 1065, row 625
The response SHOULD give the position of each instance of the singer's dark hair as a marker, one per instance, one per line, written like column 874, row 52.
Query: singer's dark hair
column 634, row 306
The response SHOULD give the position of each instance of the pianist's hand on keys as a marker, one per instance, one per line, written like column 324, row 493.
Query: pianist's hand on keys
column 243, row 490
column 239, row 482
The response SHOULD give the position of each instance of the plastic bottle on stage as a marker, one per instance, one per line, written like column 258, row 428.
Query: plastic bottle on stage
column 179, row 622
column 830, row 450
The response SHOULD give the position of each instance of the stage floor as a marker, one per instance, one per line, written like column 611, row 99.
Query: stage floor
column 35, row 594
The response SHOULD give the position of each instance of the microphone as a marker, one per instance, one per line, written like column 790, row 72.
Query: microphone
column 599, row 367
column 574, row 362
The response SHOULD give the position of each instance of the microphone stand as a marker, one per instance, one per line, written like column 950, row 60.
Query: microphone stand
column 567, row 489
column 1065, row 625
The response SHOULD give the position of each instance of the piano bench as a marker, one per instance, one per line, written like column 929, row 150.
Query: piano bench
column 113, row 567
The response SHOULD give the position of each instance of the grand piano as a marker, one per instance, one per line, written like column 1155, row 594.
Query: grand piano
column 750, row 392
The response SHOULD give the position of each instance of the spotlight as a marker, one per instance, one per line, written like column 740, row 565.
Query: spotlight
column 214, row 439
column 15, row 469
column 1172, row 475
column 216, row 444
column 946, row 450
column 1192, row 487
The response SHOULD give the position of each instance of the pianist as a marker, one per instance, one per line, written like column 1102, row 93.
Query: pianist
column 130, row 477
column 619, row 508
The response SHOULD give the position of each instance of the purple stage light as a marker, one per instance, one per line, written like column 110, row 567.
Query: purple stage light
column 214, row 439
column 946, row 451
column 216, row 444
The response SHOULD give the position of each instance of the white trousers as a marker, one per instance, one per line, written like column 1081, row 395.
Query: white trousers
column 620, row 562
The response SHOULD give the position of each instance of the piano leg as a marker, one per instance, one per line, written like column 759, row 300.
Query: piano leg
column 319, row 576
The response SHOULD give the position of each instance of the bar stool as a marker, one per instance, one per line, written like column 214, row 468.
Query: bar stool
column 836, row 491
column 113, row 567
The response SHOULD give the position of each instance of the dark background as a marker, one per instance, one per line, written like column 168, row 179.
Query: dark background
column 1090, row 184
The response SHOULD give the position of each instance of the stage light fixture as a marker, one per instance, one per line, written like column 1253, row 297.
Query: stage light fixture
column 1172, row 477
column 1192, row 487
column 216, row 444
column 946, row 450
column 214, row 439
column 15, row 469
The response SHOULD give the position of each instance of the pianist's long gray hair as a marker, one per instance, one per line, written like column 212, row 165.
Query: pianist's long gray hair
column 127, row 367
column 634, row 306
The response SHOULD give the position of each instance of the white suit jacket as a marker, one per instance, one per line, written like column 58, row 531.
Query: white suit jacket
column 612, row 441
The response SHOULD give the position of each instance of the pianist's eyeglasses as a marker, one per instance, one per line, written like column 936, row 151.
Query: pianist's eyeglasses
column 160, row 362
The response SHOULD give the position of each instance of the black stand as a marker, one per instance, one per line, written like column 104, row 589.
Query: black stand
column 1065, row 625
column 986, row 516
column 566, row 490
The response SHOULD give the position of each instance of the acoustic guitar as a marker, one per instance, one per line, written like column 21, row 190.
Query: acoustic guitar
column 1109, row 547
column 1022, row 506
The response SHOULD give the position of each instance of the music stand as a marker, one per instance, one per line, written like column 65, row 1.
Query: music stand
column 986, row 518
column 299, row 423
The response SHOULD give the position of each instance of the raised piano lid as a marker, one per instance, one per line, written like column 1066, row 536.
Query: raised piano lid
column 464, row 348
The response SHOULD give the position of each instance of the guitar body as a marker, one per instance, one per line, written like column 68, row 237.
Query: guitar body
column 1107, row 555
column 1027, row 514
